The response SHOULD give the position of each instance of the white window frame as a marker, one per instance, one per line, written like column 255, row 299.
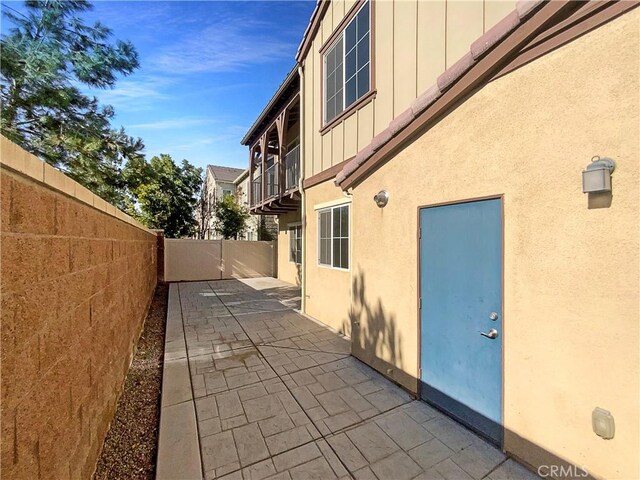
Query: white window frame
column 325, row 120
column 332, row 238
column 291, row 227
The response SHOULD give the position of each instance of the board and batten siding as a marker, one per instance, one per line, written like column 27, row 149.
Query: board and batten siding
column 414, row 42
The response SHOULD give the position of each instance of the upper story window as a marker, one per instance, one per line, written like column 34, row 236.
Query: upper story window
column 347, row 65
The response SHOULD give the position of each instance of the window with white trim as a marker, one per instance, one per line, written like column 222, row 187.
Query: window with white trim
column 333, row 237
column 347, row 65
column 295, row 244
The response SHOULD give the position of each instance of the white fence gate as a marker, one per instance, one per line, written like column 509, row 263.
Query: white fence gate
column 187, row 259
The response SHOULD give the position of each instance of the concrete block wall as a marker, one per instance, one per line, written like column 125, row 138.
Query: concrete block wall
column 77, row 277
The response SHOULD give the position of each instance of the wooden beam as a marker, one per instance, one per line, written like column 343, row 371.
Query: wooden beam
column 280, row 126
column 250, row 192
column 263, row 151
column 287, row 201
column 275, row 210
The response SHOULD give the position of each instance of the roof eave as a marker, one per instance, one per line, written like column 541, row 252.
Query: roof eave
column 312, row 29
column 242, row 176
column 265, row 111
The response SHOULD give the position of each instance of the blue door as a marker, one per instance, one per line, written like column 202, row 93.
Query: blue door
column 461, row 312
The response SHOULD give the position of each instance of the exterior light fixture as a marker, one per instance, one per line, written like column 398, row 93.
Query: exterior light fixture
column 381, row 198
column 597, row 176
column 603, row 423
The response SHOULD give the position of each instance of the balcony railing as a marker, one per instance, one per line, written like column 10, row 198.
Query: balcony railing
column 271, row 177
column 256, row 191
column 292, row 168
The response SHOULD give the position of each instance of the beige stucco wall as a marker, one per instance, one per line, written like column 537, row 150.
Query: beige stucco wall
column 288, row 271
column 571, row 296
column 415, row 41
column 328, row 292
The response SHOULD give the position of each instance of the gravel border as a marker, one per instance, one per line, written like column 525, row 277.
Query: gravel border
column 131, row 446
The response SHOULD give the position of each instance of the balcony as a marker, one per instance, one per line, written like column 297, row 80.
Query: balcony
column 271, row 176
column 275, row 159
column 292, row 168
column 256, row 191
column 291, row 164
column 276, row 191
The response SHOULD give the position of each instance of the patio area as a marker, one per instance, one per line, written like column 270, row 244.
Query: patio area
column 253, row 389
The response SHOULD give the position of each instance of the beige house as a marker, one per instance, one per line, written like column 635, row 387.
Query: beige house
column 221, row 181
column 446, row 223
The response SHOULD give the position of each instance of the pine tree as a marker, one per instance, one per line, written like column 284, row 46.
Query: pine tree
column 45, row 56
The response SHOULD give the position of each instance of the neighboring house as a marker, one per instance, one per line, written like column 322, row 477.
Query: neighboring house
column 221, row 181
column 443, row 224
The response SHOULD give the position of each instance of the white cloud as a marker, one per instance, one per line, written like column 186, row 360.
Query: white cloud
column 229, row 45
column 134, row 93
column 174, row 123
column 222, row 138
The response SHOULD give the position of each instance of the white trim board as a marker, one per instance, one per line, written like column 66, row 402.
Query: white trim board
column 332, row 203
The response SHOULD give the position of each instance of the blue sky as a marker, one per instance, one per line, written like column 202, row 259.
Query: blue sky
column 207, row 70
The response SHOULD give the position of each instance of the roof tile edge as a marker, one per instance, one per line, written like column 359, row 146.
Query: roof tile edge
column 477, row 49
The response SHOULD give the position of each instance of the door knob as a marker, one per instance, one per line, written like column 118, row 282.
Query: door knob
column 493, row 333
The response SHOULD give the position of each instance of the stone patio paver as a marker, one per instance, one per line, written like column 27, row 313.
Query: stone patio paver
column 278, row 396
column 511, row 470
column 254, row 423
column 219, row 372
column 343, row 393
column 276, row 327
column 290, row 360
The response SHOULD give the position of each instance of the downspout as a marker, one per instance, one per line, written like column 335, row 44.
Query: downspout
column 303, row 218
column 349, row 195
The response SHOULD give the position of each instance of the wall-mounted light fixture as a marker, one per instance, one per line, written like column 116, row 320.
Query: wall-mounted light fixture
column 603, row 423
column 597, row 176
column 381, row 198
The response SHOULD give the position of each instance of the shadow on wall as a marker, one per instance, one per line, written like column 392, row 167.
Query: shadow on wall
column 374, row 335
column 251, row 264
column 599, row 200
column 244, row 259
column 376, row 341
column 299, row 274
